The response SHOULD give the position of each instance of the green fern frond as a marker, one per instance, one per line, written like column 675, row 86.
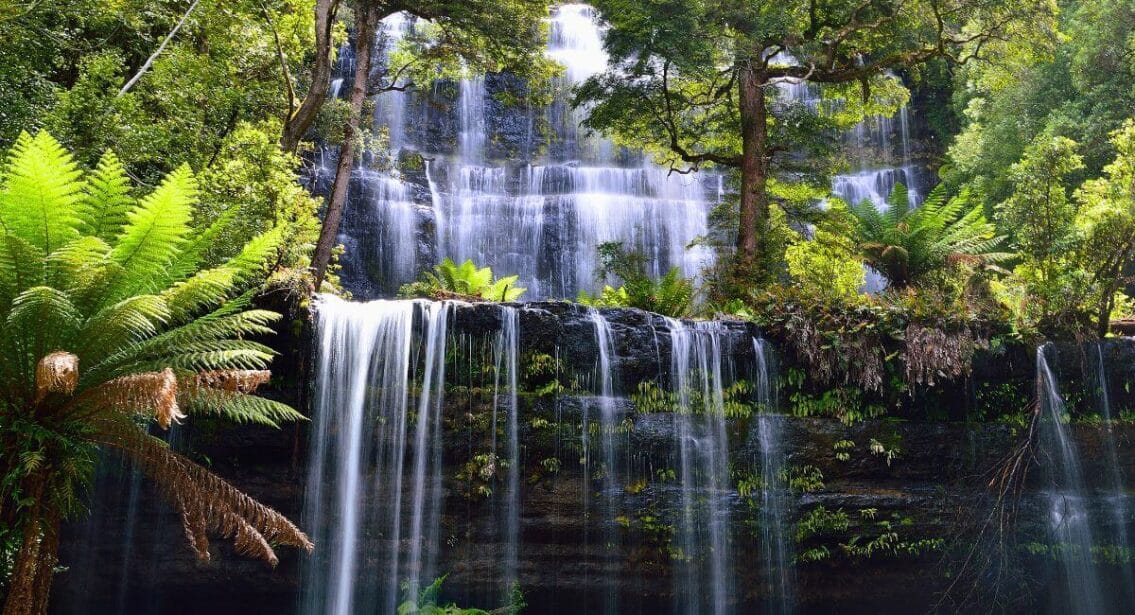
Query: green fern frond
column 154, row 235
column 41, row 192
column 106, row 199
column 240, row 408
column 127, row 322
column 192, row 255
column 21, row 267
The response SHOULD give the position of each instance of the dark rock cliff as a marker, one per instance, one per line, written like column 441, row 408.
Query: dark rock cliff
column 926, row 483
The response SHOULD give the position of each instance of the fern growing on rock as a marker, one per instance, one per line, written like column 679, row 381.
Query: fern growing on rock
column 110, row 319
column 465, row 280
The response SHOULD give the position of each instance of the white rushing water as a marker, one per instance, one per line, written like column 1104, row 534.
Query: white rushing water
column 538, row 208
column 609, row 466
column 1117, row 500
column 704, row 581
column 374, row 493
column 775, row 497
column 1070, row 526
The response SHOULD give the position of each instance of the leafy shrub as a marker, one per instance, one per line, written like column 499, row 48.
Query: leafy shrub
column 466, row 280
column 425, row 602
column 826, row 267
column 672, row 295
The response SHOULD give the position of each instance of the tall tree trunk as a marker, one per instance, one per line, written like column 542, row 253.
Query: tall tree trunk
column 367, row 20
column 300, row 120
column 754, row 172
column 34, row 568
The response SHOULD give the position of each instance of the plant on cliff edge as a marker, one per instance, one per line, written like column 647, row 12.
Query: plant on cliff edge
column 109, row 319
column 466, row 280
column 671, row 295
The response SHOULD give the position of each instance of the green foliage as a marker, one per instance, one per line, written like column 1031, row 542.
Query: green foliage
column 1075, row 248
column 1080, row 84
column 465, row 280
column 908, row 244
column 671, row 295
column 116, row 290
column 859, row 536
column 425, row 602
column 649, row 398
column 826, row 266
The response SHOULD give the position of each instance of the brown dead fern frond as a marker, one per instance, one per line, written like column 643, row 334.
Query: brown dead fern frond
column 57, row 372
column 153, row 393
column 931, row 353
column 208, row 503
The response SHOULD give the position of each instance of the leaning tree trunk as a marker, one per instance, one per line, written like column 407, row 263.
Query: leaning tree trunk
column 367, row 21
column 34, row 568
column 753, row 218
column 301, row 119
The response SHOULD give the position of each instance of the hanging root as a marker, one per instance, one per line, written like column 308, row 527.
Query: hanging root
column 988, row 528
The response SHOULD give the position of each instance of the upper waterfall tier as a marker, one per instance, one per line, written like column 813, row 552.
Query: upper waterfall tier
column 522, row 189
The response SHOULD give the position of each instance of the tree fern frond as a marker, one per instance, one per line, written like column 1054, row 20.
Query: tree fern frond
column 257, row 252
column 126, row 322
column 78, row 265
column 152, row 394
column 205, row 289
column 228, row 321
column 21, row 267
column 154, row 235
column 192, row 255
column 202, row 494
column 42, row 317
column 41, row 191
column 240, row 408
column 106, row 199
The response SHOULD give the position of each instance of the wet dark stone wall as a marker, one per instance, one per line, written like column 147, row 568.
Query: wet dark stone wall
column 937, row 477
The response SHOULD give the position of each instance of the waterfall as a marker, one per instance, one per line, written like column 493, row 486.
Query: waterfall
column 1069, row 523
column 507, row 361
column 535, row 209
column 705, row 577
column 1117, row 501
column 775, row 497
column 374, row 495
column 610, row 501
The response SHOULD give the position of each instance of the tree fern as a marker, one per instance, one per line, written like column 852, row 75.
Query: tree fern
column 905, row 244
column 106, row 317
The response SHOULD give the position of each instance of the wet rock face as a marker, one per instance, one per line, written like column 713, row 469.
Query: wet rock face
column 572, row 552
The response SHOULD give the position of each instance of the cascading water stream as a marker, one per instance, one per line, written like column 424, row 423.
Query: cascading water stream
column 375, row 490
column 486, row 198
column 1069, row 522
column 775, row 498
column 1117, row 500
column 507, row 362
column 609, row 429
column 705, row 579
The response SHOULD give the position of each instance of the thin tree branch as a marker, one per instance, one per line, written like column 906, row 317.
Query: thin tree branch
column 158, row 51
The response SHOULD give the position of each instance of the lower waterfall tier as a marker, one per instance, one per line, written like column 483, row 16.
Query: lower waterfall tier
column 621, row 493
